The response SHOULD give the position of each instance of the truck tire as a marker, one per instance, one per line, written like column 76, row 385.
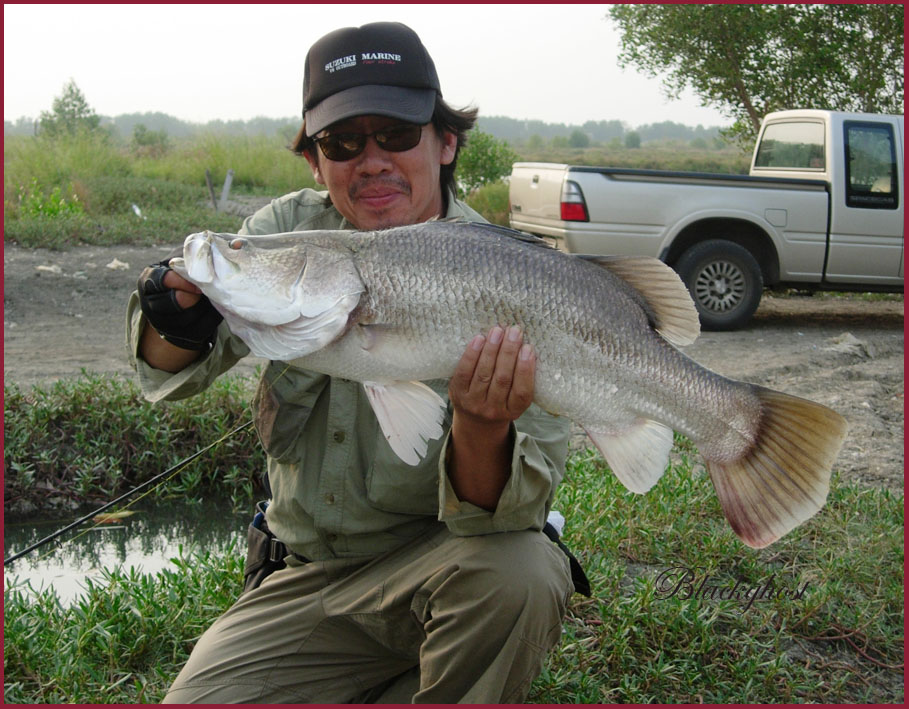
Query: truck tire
column 724, row 281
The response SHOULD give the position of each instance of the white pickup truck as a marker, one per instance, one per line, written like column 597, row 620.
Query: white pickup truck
column 821, row 209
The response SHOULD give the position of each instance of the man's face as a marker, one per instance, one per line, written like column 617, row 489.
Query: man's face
column 378, row 189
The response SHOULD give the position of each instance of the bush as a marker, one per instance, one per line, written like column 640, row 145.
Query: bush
column 491, row 201
column 90, row 438
column 152, row 143
column 34, row 203
column 483, row 161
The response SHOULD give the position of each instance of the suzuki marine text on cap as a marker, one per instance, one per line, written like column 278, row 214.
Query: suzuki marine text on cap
column 378, row 69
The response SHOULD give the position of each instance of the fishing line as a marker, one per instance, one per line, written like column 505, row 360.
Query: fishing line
column 173, row 470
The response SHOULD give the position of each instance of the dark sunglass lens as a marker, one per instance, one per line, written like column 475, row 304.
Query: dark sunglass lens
column 400, row 138
column 343, row 146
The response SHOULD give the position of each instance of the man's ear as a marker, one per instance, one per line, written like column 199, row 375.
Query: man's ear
column 449, row 148
column 313, row 160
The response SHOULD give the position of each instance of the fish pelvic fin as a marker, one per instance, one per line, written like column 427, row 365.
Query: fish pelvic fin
column 784, row 478
column 638, row 455
column 409, row 414
column 668, row 303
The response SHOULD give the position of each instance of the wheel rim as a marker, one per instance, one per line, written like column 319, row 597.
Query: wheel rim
column 720, row 286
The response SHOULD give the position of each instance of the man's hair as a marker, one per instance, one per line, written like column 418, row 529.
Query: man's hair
column 445, row 119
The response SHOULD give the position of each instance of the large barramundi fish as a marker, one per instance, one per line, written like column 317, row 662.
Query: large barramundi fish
column 391, row 308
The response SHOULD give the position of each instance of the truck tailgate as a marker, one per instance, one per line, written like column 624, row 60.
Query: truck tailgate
column 534, row 193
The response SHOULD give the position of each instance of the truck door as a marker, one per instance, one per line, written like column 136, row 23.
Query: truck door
column 866, row 225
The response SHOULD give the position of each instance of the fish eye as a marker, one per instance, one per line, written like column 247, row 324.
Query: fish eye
column 237, row 244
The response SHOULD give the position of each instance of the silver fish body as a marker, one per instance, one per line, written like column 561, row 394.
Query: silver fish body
column 393, row 307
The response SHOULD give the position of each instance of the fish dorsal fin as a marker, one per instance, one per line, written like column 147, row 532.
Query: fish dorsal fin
column 497, row 229
column 669, row 304
column 515, row 234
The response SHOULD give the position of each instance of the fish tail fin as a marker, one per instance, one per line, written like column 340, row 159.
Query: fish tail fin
column 784, row 477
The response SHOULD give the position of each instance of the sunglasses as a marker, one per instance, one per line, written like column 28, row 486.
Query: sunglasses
column 394, row 139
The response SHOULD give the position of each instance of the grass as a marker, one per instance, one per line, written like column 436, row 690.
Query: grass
column 88, row 439
column 658, row 156
column 99, row 180
column 841, row 641
column 106, row 179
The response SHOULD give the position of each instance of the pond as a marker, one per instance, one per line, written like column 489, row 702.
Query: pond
column 147, row 540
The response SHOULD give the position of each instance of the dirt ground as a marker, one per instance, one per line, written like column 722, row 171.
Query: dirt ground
column 64, row 311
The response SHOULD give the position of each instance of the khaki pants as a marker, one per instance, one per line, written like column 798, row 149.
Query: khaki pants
column 442, row 619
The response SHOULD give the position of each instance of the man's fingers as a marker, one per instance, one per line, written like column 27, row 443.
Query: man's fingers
column 486, row 364
column 186, row 293
column 174, row 280
column 463, row 373
column 520, row 395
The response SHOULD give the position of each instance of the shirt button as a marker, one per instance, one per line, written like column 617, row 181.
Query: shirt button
column 339, row 436
column 331, row 537
column 330, row 499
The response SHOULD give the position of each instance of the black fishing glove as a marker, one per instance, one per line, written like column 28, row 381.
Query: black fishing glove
column 190, row 328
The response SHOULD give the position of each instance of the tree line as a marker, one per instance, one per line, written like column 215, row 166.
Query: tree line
column 513, row 130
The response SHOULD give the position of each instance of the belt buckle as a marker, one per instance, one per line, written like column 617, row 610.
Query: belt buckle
column 276, row 550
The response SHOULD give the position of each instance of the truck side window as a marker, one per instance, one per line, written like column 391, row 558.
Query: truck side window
column 797, row 145
column 871, row 178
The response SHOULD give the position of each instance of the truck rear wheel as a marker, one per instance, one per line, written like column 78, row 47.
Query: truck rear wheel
column 724, row 281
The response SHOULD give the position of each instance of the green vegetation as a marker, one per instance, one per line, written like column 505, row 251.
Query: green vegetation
column 92, row 438
column 839, row 642
column 69, row 114
column 80, row 188
column 751, row 59
column 485, row 160
column 81, row 180
column 491, row 201
column 164, row 179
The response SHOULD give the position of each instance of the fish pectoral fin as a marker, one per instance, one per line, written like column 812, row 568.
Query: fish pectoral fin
column 784, row 478
column 409, row 414
column 638, row 455
column 668, row 301
column 372, row 336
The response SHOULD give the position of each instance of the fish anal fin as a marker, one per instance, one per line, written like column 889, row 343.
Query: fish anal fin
column 638, row 454
column 668, row 300
column 409, row 414
column 784, row 478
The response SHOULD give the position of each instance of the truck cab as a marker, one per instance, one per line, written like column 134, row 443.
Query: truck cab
column 821, row 208
column 858, row 156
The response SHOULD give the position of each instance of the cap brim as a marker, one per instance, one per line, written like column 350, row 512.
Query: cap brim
column 412, row 105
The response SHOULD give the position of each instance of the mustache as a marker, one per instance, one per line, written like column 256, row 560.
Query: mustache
column 395, row 182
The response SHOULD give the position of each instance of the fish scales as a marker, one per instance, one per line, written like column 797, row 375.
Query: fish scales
column 399, row 306
column 577, row 317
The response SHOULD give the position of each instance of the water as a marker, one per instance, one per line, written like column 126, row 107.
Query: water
column 147, row 540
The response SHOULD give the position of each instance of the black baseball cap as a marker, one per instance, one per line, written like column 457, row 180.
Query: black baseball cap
column 381, row 68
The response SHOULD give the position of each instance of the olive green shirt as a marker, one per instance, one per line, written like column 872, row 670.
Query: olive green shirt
column 338, row 490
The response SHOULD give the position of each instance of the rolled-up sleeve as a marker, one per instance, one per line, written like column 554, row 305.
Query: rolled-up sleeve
column 537, row 467
column 158, row 385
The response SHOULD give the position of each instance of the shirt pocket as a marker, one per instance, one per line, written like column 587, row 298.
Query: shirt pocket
column 394, row 486
column 283, row 403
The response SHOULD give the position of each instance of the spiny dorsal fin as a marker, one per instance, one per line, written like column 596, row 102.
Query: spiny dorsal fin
column 673, row 312
column 499, row 229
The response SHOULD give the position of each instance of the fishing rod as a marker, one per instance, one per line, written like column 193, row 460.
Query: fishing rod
column 122, row 497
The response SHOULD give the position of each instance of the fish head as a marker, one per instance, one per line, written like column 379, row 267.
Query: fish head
column 297, row 281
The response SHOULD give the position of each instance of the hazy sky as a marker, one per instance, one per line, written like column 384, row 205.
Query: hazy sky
column 555, row 63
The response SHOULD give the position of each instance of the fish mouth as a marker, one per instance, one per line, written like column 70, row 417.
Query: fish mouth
column 197, row 258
